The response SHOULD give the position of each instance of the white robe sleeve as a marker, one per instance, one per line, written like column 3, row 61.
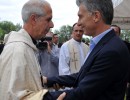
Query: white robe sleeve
column 64, row 60
column 17, row 79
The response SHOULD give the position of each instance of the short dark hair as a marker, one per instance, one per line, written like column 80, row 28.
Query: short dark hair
column 105, row 7
column 55, row 34
column 73, row 26
column 117, row 27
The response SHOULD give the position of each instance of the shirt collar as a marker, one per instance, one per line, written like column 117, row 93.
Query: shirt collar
column 96, row 39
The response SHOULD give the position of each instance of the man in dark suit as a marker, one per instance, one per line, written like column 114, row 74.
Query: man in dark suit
column 117, row 29
column 103, row 75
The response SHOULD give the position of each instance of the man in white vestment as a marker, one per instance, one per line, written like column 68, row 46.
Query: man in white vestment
column 72, row 52
column 20, row 77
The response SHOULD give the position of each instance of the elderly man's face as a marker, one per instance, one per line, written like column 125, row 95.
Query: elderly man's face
column 44, row 23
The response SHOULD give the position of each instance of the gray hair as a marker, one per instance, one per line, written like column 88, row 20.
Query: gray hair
column 105, row 7
column 33, row 7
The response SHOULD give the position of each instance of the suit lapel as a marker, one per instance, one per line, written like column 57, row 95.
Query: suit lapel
column 88, row 63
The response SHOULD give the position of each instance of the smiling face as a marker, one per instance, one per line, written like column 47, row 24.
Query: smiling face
column 86, row 20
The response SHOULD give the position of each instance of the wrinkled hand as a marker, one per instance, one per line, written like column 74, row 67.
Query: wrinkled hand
column 62, row 96
column 57, row 87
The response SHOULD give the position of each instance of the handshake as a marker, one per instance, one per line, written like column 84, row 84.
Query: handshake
column 56, row 87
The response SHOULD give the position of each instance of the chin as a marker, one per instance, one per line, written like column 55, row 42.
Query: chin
column 44, row 33
column 47, row 31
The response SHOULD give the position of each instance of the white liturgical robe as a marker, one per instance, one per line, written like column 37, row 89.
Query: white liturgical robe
column 72, row 55
column 20, row 77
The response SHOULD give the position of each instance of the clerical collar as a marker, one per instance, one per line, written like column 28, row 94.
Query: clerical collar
column 34, row 41
column 79, row 42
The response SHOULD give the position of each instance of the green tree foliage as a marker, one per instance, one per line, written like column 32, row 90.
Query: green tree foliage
column 64, row 33
column 6, row 27
column 125, row 35
column 18, row 27
column 1, row 33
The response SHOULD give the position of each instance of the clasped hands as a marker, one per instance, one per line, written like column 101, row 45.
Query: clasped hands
column 56, row 87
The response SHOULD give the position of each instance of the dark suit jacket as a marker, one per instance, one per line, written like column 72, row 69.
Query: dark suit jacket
column 128, row 46
column 103, row 75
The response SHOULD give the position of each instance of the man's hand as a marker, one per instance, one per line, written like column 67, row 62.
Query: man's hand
column 57, row 87
column 48, row 47
column 62, row 96
column 44, row 79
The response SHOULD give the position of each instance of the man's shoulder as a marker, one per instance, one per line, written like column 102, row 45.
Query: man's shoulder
column 84, row 44
column 65, row 44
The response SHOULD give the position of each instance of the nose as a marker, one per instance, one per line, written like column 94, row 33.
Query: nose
column 51, row 24
column 78, row 23
column 78, row 32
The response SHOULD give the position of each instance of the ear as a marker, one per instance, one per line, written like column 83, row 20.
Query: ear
column 97, row 16
column 33, row 19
